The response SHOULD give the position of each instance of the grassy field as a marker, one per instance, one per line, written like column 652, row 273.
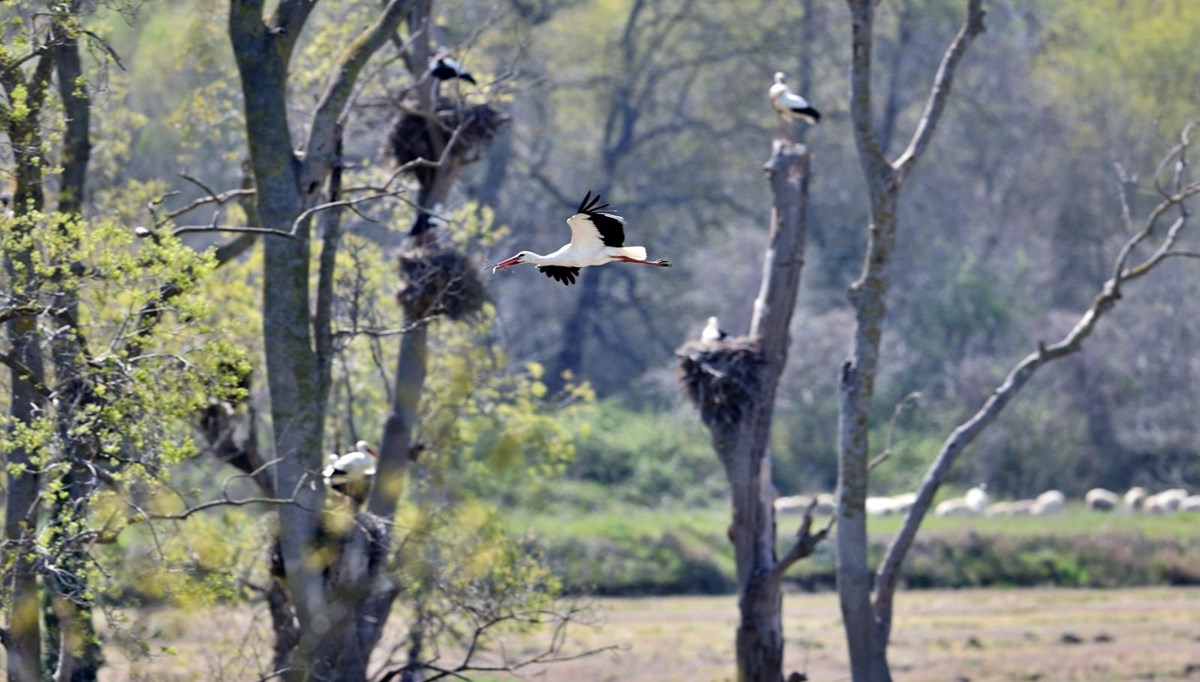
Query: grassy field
column 976, row 635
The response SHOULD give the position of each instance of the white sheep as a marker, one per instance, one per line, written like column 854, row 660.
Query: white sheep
column 890, row 506
column 955, row 506
column 1191, row 503
column 1135, row 498
column 1165, row 502
column 1013, row 508
column 1049, row 502
column 977, row 499
column 1101, row 500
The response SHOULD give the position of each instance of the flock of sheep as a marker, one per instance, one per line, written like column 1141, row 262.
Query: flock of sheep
column 976, row 502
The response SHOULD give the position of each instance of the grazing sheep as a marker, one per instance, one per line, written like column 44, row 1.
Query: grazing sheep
column 1101, row 500
column 1049, row 502
column 1165, row 502
column 1014, row 508
column 890, row 506
column 955, row 506
column 797, row 504
column 1135, row 498
column 1191, row 503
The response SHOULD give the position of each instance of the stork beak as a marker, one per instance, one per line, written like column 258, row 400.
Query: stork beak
column 373, row 453
column 507, row 263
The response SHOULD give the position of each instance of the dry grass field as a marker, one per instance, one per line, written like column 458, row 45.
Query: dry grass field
column 977, row 635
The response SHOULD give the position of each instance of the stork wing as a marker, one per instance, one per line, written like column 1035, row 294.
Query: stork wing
column 561, row 273
column 592, row 224
column 794, row 101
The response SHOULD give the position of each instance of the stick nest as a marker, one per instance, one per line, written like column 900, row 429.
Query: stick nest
column 439, row 282
column 410, row 138
column 722, row 378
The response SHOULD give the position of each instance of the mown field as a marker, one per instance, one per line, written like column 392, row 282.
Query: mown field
column 976, row 635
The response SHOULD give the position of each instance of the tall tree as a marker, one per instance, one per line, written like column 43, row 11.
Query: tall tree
column 868, row 296
column 733, row 384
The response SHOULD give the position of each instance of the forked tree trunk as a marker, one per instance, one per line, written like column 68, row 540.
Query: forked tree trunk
column 733, row 383
column 866, row 632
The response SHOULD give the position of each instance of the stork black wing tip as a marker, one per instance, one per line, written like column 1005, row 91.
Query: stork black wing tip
column 591, row 204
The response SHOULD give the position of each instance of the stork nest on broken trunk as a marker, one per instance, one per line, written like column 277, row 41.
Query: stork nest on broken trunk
column 439, row 282
column 411, row 137
column 721, row 377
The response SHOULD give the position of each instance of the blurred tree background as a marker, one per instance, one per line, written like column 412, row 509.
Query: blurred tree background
column 565, row 397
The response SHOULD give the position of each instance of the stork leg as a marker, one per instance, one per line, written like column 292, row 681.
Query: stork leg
column 657, row 263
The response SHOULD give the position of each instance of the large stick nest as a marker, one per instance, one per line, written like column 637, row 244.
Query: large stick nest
column 411, row 137
column 722, row 378
column 439, row 282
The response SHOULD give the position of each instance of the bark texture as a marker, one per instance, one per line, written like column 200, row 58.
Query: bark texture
column 733, row 383
column 866, row 635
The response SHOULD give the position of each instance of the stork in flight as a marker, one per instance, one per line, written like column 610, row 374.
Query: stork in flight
column 352, row 473
column 597, row 237
column 789, row 105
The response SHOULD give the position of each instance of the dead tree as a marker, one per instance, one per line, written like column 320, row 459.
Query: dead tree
column 868, row 296
column 733, row 383
column 1174, row 194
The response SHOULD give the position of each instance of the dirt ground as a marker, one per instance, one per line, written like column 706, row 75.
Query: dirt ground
column 976, row 635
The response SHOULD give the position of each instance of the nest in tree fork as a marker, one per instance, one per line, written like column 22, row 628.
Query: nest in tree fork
column 722, row 378
column 411, row 137
column 439, row 282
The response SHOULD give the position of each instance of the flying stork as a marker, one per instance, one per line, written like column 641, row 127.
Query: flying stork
column 597, row 237
column 352, row 473
column 789, row 105
column 444, row 68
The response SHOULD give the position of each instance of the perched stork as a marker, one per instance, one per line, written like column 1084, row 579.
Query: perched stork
column 713, row 332
column 597, row 237
column 352, row 473
column 444, row 68
column 789, row 105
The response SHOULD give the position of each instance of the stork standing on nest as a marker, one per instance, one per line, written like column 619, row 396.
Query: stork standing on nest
column 713, row 332
column 789, row 105
column 352, row 473
column 597, row 237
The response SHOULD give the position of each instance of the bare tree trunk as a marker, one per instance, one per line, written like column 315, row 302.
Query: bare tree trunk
column 866, row 634
column 733, row 383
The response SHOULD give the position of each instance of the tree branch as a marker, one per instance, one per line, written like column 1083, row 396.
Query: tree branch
column 27, row 374
column 806, row 541
column 887, row 576
column 319, row 149
column 940, row 92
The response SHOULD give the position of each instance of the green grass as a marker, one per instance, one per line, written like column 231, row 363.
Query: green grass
column 614, row 551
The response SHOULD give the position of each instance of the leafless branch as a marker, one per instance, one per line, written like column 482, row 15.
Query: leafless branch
column 940, row 92
column 806, row 541
column 186, row 229
column 887, row 450
column 887, row 575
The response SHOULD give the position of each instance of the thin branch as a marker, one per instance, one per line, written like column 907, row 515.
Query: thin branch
column 887, row 450
column 940, row 92
column 806, row 541
column 187, row 229
column 27, row 374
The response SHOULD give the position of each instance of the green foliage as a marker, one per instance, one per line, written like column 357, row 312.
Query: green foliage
column 646, row 458
column 1133, row 62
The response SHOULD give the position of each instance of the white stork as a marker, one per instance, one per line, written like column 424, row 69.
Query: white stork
column 597, row 237
column 789, row 105
column 713, row 332
column 352, row 473
column 444, row 68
